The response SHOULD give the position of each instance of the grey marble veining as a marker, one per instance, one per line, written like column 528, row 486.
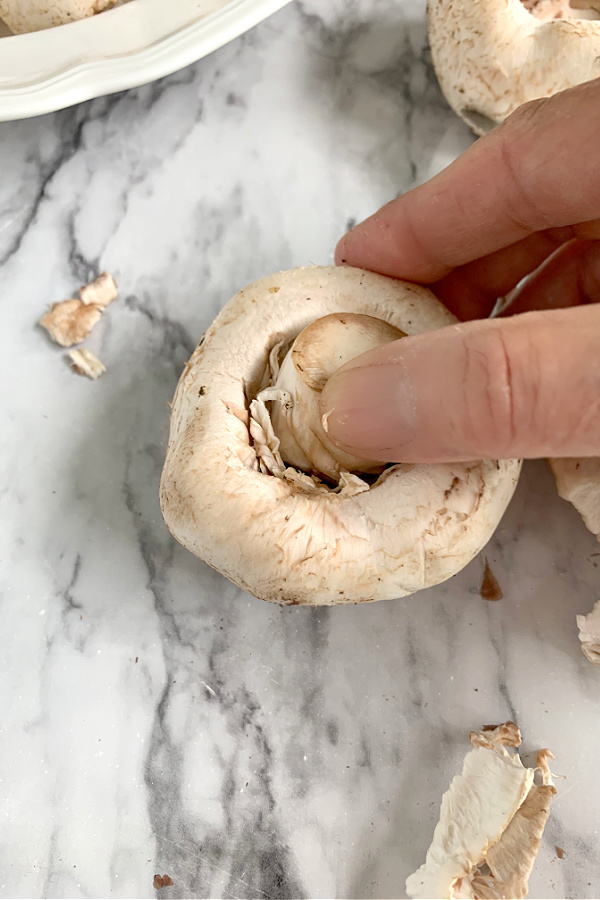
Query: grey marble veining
column 154, row 717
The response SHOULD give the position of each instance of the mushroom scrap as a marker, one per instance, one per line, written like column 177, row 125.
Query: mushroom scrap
column 84, row 362
column 71, row 321
column 589, row 634
column 34, row 15
column 251, row 483
column 491, row 56
column 491, row 823
column 578, row 481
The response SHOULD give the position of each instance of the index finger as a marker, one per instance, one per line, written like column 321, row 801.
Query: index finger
column 539, row 170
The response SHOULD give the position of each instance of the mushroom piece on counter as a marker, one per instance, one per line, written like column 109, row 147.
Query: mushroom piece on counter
column 71, row 321
column 491, row 823
column 84, row 362
column 252, row 485
column 589, row 634
column 491, row 56
column 578, row 481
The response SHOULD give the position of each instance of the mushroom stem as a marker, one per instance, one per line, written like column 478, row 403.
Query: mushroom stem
column 318, row 351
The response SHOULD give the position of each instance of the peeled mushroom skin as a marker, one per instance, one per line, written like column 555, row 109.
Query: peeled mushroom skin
column 491, row 56
column 277, row 532
column 492, row 817
column 23, row 16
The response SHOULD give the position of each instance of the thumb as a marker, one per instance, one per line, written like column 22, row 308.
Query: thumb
column 527, row 386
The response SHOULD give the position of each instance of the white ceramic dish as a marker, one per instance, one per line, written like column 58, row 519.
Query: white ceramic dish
column 118, row 49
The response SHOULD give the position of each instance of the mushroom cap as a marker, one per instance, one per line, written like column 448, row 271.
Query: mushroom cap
column 23, row 16
column 287, row 539
column 491, row 56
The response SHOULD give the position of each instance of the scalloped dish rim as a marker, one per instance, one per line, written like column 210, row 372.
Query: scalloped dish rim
column 125, row 47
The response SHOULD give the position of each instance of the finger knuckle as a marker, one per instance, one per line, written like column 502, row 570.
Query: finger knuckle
column 522, row 203
column 489, row 393
column 527, row 114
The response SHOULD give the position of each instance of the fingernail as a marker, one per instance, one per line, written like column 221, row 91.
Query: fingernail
column 369, row 409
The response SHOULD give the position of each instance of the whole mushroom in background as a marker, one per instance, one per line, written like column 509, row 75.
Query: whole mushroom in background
column 251, row 483
column 491, row 56
column 23, row 16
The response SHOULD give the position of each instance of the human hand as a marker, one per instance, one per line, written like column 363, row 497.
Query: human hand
column 523, row 201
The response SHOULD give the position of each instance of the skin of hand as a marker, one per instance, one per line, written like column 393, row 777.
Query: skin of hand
column 518, row 217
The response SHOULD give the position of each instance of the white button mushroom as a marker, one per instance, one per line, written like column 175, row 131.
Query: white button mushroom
column 33, row 15
column 491, row 56
column 252, row 485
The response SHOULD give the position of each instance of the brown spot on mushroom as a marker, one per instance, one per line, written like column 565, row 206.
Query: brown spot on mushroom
column 560, row 852
column 455, row 482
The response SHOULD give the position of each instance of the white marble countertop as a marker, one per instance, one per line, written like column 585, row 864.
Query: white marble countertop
column 154, row 717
